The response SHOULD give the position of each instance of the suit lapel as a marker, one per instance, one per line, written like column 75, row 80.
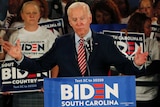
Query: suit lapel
column 73, row 54
column 95, row 45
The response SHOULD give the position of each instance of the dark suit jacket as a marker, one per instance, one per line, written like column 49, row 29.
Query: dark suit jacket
column 63, row 53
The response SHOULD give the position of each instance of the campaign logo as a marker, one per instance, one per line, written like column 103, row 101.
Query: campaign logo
column 129, row 44
column 33, row 47
column 96, row 94
column 16, row 79
column 96, row 91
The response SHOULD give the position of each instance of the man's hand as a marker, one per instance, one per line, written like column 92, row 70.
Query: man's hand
column 140, row 58
column 13, row 51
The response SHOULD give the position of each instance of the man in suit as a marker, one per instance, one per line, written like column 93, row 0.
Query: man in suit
column 101, row 51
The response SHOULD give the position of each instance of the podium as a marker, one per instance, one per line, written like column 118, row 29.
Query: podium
column 96, row 91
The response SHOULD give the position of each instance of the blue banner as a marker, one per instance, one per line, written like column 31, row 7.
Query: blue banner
column 113, row 91
column 113, row 27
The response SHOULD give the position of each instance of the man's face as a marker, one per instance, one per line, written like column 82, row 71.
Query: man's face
column 80, row 20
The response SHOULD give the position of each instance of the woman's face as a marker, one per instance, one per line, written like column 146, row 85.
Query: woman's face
column 146, row 7
column 102, row 17
column 30, row 14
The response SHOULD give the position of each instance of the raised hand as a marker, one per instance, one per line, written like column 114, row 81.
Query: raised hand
column 13, row 51
column 140, row 58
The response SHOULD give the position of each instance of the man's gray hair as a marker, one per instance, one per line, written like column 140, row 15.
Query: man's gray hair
column 79, row 4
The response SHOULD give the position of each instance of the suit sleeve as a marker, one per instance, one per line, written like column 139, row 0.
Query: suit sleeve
column 122, row 64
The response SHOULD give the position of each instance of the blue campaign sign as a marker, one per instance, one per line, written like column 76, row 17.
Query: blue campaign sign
column 113, row 91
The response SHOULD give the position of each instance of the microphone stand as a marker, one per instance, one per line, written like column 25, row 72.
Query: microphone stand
column 88, row 48
column 87, row 58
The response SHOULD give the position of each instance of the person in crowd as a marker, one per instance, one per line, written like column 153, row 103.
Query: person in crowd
column 101, row 55
column 55, row 9
column 156, row 34
column 9, row 8
column 50, row 2
column 3, row 11
column 156, row 6
column 146, row 6
column 146, row 96
column 19, row 22
column 68, row 28
column 124, row 8
column 44, row 13
column 44, row 10
column 157, row 12
column 64, row 2
column 31, row 33
column 13, row 7
column 105, row 12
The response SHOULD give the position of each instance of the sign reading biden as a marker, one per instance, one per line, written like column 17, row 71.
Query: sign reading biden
column 113, row 91
column 16, row 80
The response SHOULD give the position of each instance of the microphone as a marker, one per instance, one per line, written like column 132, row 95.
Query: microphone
column 88, row 47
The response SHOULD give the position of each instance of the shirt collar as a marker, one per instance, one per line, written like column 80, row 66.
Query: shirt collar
column 88, row 35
